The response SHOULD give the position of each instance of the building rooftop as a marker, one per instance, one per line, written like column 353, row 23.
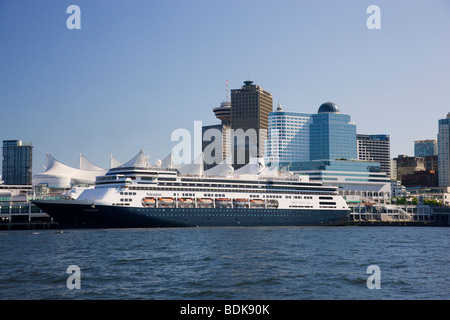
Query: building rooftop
column 223, row 112
column 328, row 107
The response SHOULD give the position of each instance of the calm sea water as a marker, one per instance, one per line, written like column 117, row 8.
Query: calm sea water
column 227, row 263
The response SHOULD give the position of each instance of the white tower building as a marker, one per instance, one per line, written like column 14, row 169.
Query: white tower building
column 444, row 151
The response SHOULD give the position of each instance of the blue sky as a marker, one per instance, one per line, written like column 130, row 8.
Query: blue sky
column 138, row 70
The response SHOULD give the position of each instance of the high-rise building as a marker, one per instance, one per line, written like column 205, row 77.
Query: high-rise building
column 443, row 138
column 393, row 169
column 17, row 162
column 250, row 108
column 224, row 114
column 327, row 152
column 212, row 147
column 288, row 136
column 332, row 135
column 424, row 148
column 223, row 146
column 375, row 148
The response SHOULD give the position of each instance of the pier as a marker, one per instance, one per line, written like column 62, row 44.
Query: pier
column 397, row 215
column 24, row 216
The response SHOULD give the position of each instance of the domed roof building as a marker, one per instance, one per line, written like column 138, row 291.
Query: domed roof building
column 328, row 107
column 332, row 134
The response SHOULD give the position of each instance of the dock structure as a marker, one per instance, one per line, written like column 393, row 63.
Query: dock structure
column 19, row 216
column 397, row 215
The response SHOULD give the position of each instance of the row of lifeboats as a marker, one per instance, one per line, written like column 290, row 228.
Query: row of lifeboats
column 207, row 202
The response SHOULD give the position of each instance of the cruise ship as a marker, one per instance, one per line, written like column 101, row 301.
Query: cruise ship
column 152, row 197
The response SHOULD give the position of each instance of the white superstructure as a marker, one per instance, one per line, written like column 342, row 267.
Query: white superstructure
column 139, row 187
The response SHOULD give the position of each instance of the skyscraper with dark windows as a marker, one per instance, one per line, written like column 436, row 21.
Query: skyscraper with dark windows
column 377, row 148
column 17, row 162
column 250, row 108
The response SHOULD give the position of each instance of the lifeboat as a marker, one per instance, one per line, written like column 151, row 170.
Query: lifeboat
column 148, row 202
column 202, row 202
column 165, row 201
column 185, row 201
column 272, row 204
column 257, row 202
column 240, row 202
column 223, row 201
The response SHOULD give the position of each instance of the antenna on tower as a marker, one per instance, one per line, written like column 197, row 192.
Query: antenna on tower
column 228, row 91
column 279, row 108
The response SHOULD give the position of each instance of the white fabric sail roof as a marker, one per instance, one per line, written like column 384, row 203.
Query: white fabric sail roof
column 59, row 175
column 193, row 168
column 85, row 164
column 168, row 162
column 140, row 160
column 223, row 169
column 254, row 167
column 114, row 162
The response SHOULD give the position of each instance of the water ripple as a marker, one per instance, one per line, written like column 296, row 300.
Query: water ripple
column 227, row 263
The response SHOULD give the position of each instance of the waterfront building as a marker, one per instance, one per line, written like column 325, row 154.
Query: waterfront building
column 375, row 148
column 288, row 139
column 333, row 157
column 444, row 151
column 398, row 190
column 17, row 162
column 58, row 178
column 332, row 134
column 440, row 194
column 408, row 165
column 426, row 178
column 423, row 148
column 417, row 171
column 354, row 178
column 13, row 194
column 250, row 108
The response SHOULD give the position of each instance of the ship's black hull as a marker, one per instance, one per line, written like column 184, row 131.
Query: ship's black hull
column 82, row 214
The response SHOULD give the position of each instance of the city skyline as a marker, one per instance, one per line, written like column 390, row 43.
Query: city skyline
column 136, row 71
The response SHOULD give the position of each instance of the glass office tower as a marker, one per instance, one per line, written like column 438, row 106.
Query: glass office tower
column 288, row 136
column 424, row 148
column 444, row 151
column 332, row 156
column 17, row 162
column 332, row 135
